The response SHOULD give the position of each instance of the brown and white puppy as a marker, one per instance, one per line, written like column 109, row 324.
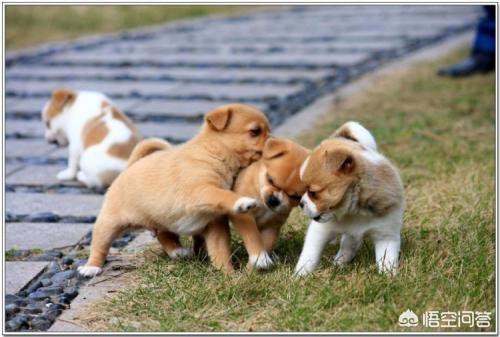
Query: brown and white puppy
column 275, row 182
column 179, row 191
column 352, row 191
column 100, row 137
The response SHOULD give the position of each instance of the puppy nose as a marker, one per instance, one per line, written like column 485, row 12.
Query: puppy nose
column 316, row 218
column 301, row 204
column 272, row 201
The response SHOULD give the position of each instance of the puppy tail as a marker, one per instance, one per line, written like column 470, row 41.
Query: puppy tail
column 358, row 133
column 146, row 147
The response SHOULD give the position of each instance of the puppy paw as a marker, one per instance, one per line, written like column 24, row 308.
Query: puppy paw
column 66, row 174
column 244, row 204
column 261, row 261
column 89, row 271
column 181, row 253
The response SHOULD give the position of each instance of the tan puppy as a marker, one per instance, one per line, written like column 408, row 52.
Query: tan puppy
column 99, row 136
column 275, row 182
column 353, row 191
column 179, row 191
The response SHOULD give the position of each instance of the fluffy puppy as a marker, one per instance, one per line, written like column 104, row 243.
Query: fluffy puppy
column 100, row 137
column 179, row 191
column 274, row 181
column 352, row 191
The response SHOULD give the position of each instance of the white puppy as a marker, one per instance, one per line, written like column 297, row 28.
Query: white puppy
column 352, row 191
column 100, row 137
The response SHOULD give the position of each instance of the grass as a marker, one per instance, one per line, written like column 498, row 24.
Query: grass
column 440, row 133
column 27, row 25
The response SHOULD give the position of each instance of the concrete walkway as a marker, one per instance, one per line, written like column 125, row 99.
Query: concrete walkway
column 165, row 78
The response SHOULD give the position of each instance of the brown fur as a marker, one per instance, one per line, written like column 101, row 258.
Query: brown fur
column 338, row 166
column 281, row 160
column 60, row 99
column 123, row 150
column 146, row 147
column 191, row 180
column 94, row 131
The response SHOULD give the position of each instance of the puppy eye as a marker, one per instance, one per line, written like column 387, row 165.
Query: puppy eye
column 255, row 132
column 312, row 194
column 270, row 180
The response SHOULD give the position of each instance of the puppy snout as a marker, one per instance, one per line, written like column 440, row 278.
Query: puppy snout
column 272, row 201
column 301, row 204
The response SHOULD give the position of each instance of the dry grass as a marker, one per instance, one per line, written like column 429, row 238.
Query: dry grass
column 26, row 25
column 440, row 133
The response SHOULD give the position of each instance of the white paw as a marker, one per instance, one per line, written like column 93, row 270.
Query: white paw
column 303, row 270
column 66, row 174
column 89, row 271
column 244, row 204
column 181, row 253
column 261, row 261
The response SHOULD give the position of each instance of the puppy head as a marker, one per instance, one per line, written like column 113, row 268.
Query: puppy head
column 53, row 115
column 279, row 179
column 330, row 174
column 241, row 128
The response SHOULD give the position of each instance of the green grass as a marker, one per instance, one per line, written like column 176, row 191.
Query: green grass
column 440, row 133
column 27, row 25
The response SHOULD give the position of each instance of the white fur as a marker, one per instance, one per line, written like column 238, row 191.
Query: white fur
column 261, row 261
column 384, row 231
column 89, row 271
column 87, row 164
column 244, row 204
column 303, row 167
column 309, row 206
column 181, row 253
column 191, row 225
column 361, row 134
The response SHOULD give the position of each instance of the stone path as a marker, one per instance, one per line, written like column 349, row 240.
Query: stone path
column 165, row 78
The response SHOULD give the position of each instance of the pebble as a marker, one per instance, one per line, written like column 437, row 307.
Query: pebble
column 46, row 282
column 51, row 315
column 18, row 322
column 55, row 253
column 32, row 309
column 42, row 257
column 34, row 286
column 68, row 261
column 39, row 295
column 62, row 276
column 11, row 309
column 9, row 298
column 56, row 306
column 54, row 266
column 71, row 292
column 51, row 290
column 21, row 302
column 43, row 217
column 39, row 323
column 63, row 299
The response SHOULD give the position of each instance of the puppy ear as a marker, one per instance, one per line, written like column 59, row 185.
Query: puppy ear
column 218, row 119
column 61, row 97
column 273, row 148
column 339, row 161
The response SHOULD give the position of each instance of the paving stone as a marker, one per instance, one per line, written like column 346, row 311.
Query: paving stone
column 60, row 204
column 39, row 175
column 19, row 273
column 27, row 148
column 24, row 128
column 12, row 168
column 44, row 235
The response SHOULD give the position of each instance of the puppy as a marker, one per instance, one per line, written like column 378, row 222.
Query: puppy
column 179, row 191
column 352, row 191
column 274, row 181
column 100, row 137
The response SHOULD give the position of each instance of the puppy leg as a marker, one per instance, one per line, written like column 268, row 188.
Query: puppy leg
column 105, row 230
column 269, row 238
column 172, row 246
column 73, row 159
column 349, row 246
column 247, row 228
column 387, row 253
column 318, row 235
column 218, row 242
column 214, row 199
